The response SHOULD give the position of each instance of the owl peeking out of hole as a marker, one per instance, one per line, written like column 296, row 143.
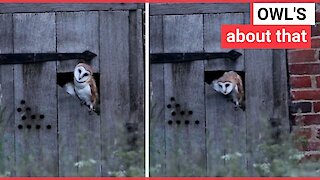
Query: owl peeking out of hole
column 230, row 84
column 84, row 86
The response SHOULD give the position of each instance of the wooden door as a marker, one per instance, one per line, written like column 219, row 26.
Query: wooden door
column 47, row 132
column 195, row 144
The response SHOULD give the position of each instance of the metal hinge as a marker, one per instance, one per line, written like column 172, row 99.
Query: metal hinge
column 187, row 57
column 24, row 58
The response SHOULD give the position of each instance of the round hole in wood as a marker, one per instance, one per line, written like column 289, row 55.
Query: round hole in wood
column 48, row 126
column 19, row 109
column 190, row 112
column 24, row 117
column 197, row 122
column 22, row 102
column 33, row 116
column 20, row 126
column 28, row 109
column 29, row 126
column 178, row 122
column 172, row 99
column 177, row 105
column 170, row 122
column 41, row 116
column 186, row 122
column 173, row 113
column 169, row 106
column 182, row 113
column 38, row 126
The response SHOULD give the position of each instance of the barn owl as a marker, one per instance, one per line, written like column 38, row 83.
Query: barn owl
column 230, row 84
column 84, row 86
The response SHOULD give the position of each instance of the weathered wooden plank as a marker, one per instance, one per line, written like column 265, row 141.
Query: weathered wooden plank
column 212, row 41
column 79, row 132
column 135, row 125
column 259, row 100
column 204, row 8
column 157, row 120
column 48, row 7
column 7, row 99
column 36, row 149
column 115, row 97
column 185, row 137
column 280, row 89
column 78, row 32
column 223, row 122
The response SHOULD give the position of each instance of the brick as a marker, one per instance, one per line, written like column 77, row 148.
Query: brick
column 316, row 107
column 318, row 81
column 305, row 120
column 300, row 82
column 301, row 107
column 305, row 55
column 311, row 146
column 311, row 157
column 306, row 95
column 304, row 133
column 315, row 30
column 300, row 69
column 315, row 42
column 317, row 16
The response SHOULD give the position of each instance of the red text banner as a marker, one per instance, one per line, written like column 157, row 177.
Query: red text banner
column 265, row 37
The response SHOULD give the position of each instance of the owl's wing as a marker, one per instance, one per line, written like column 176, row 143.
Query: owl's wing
column 69, row 88
column 94, row 91
column 240, row 85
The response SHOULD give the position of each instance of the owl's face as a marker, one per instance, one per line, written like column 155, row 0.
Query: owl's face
column 81, row 74
column 223, row 87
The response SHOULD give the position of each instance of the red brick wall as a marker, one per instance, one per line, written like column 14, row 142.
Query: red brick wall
column 304, row 74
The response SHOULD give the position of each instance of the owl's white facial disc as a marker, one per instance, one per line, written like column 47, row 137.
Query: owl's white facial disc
column 226, row 87
column 81, row 75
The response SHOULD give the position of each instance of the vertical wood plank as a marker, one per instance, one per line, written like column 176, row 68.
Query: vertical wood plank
column 115, row 97
column 135, row 125
column 226, row 127
column 157, row 120
column 79, row 132
column 78, row 32
column 185, row 143
column 212, row 41
column 36, row 149
column 7, row 99
column 259, row 100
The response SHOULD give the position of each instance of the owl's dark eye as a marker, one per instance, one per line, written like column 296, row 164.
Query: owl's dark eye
column 227, row 85
column 85, row 74
column 220, row 85
column 79, row 71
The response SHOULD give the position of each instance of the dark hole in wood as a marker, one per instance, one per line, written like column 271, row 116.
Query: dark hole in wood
column 172, row 99
column 29, row 126
column 197, row 122
column 48, row 126
column 190, row 112
column 173, row 113
column 170, row 122
column 23, row 117
column 20, row 126
column 22, row 102
column 64, row 78
column 132, row 127
column 41, row 116
column 33, row 116
column 209, row 76
column 186, row 122
column 177, row 105
column 182, row 113
column 169, row 106
column 19, row 109
column 38, row 126
column 178, row 122
column 28, row 109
